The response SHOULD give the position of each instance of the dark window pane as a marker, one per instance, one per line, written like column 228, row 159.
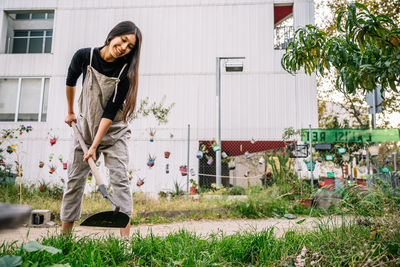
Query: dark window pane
column 49, row 33
column 36, row 45
column 19, row 45
column 38, row 15
column 37, row 33
column 50, row 15
column 21, row 33
column 47, row 47
column 22, row 16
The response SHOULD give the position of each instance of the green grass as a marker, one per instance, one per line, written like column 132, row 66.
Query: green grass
column 273, row 201
column 351, row 244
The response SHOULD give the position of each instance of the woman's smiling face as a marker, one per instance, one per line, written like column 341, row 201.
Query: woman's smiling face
column 122, row 45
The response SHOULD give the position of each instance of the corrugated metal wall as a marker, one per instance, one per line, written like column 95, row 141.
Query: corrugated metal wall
column 181, row 41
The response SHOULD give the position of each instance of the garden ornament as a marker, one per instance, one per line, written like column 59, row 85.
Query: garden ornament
column 140, row 182
column 53, row 140
column 115, row 218
column 210, row 161
column 150, row 161
column 261, row 160
column 52, row 169
column 224, row 155
column 167, row 154
column 253, row 140
column 183, row 170
column 65, row 165
column 152, row 133
column 51, row 156
column 167, row 168
column 192, row 172
column 247, row 154
column 199, row 154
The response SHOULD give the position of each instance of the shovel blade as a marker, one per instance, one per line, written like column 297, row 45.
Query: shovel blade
column 107, row 219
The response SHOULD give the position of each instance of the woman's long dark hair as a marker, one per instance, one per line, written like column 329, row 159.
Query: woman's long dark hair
column 122, row 28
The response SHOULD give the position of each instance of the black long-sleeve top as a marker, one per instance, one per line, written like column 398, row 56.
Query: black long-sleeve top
column 79, row 63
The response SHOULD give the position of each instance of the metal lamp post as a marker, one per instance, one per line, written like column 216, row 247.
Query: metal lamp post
column 230, row 66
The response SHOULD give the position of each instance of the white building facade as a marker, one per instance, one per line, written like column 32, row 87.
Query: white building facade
column 181, row 40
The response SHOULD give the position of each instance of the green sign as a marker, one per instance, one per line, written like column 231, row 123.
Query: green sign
column 309, row 165
column 331, row 174
column 328, row 157
column 350, row 135
column 385, row 169
column 341, row 150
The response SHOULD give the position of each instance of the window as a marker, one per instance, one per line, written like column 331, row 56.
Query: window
column 23, row 99
column 29, row 32
column 283, row 25
column 31, row 42
column 35, row 15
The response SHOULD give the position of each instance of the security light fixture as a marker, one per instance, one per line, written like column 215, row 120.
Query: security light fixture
column 234, row 65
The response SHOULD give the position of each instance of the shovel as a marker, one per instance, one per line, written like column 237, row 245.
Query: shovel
column 114, row 219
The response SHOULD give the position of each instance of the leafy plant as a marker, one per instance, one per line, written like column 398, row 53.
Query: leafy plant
column 364, row 54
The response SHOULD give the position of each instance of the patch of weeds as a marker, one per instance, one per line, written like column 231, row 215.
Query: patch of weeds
column 348, row 244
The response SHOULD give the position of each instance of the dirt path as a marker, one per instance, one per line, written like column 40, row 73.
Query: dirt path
column 202, row 227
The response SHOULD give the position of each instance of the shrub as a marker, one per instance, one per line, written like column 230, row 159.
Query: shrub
column 236, row 190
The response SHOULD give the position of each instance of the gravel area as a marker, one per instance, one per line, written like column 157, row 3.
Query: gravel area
column 202, row 227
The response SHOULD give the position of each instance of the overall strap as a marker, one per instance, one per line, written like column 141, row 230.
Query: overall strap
column 119, row 75
column 91, row 55
column 116, row 84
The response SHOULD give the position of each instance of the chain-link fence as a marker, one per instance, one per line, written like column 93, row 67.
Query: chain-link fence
column 243, row 163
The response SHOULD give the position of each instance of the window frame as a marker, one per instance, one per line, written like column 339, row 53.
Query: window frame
column 18, row 98
column 46, row 15
column 45, row 36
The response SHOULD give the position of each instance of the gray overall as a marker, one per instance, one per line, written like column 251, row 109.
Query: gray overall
column 96, row 91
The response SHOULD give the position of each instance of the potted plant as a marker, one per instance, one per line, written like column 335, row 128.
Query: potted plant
column 193, row 187
column 140, row 182
column 328, row 183
column 152, row 133
column 150, row 161
column 306, row 202
column 90, row 176
column 52, row 168
column 53, row 140
column 167, row 168
column 199, row 154
column 183, row 170
column 210, row 160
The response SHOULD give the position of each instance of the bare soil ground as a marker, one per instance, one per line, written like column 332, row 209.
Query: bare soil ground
column 201, row 228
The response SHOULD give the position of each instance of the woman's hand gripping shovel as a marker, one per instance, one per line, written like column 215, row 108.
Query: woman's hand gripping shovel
column 114, row 218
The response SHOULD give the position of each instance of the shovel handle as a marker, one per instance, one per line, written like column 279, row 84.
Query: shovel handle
column 93, row 167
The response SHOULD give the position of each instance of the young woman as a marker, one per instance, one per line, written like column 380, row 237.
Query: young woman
column 107, row 101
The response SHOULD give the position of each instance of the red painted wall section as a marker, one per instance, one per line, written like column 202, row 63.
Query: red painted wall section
column 281, row 12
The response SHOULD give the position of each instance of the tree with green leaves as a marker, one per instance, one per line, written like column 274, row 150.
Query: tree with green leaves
column 351, row 109
column 365, row 53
